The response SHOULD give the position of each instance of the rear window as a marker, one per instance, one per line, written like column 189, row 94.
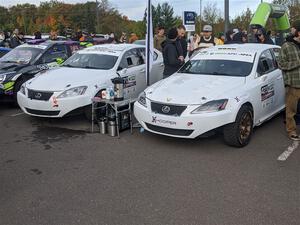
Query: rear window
column 217, row 67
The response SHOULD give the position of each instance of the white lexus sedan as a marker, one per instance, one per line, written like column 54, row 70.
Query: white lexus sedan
column 232, row 87
column 69, row 89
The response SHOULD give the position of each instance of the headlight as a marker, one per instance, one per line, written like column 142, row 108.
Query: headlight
column 22, row 89
column 212, row 106
column 73, row 92
column 142, row 99
column 2, row 77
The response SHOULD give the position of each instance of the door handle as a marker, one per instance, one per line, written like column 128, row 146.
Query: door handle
column 162, row 65
column 142, row 70
column 279, row 78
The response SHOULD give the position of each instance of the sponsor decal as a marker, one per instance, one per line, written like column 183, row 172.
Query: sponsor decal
column 237, row 99
column 267, row 95
column 190, row 124
column 167, row 122
column 129, row 82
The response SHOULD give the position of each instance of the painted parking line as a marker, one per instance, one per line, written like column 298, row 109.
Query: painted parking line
column 284, row 156
column 17, row 114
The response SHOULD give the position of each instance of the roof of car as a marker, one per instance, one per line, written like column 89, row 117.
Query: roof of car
column 249, row 47
column 109, row 49
column 44, row 44
column 239, row 52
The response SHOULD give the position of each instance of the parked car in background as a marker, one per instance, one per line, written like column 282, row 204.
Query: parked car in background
column 44, row 36
column 83, row 76
column 140, row 42
column 232, row 87
column 24, row 61
column 3, row 51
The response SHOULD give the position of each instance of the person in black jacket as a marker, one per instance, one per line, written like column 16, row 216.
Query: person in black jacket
column 171, row 56
column 182, row 44
column 263, row 38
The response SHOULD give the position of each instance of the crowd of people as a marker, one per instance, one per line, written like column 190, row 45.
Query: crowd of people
column 16, row 38
column 175, row 47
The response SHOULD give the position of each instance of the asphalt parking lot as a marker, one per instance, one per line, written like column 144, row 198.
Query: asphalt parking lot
column 55, row 172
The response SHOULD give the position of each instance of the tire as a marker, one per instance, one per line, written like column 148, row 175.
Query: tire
column 17, row 87
column 238, row 134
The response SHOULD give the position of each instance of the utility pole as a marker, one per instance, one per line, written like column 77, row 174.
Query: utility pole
column 97, row 17
column 200, row 15
column 226, row 15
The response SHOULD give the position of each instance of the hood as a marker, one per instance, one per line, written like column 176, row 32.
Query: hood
column 63, row 78
column 10, row 67
column 190, row 89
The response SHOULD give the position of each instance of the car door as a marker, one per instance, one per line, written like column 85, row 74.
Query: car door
column 279, row 86
column 266, row 91
column 132, row 69
column 157, row 67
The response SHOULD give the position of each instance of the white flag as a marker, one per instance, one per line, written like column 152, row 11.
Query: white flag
column 149, row 43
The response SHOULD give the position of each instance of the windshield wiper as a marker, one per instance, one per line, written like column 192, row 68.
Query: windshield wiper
column 8, row 61
column 68, row 65
column 217, row 73
column 90, row 67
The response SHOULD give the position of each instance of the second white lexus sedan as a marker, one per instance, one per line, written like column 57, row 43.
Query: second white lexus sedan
column 69, row 89
column 232, row 87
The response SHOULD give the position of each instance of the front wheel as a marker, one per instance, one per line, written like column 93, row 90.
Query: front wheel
column 238, row 134
column 17, row 87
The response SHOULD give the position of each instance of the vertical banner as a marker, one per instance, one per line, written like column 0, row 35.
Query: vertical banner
column 149, row 42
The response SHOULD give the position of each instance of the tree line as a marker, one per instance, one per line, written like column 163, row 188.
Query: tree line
column 60, row 16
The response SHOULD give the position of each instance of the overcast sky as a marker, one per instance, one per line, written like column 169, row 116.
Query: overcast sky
column 134, row 9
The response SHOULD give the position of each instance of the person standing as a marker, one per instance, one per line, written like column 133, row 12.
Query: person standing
column 289, row 63
column 159, row 38
column 193, row 43
column 133, row 38
column 263, row 37
column 15, row 39
column 182, row 45
column 207, row 40
column 123, row 38
column 171, row 56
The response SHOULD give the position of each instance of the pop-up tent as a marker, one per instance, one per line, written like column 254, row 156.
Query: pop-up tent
column 266, row 11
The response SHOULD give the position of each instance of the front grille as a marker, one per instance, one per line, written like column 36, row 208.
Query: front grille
column 165, row 130
column 167, row 109
column 39, row 95
column 42, row 112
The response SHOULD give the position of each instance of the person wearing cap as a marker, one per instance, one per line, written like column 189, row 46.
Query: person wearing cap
column 207, row 40
column 289, row 63
column 171, row 56
column 263, row 37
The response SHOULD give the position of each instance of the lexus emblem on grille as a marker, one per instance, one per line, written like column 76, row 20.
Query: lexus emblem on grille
column 165, row 109
column 38, row 95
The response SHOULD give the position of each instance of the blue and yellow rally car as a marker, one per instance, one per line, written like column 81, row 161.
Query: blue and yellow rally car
column 24, row 61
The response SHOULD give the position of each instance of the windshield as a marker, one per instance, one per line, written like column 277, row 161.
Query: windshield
column 91, row 61
column 22, row 55
column 217, row 67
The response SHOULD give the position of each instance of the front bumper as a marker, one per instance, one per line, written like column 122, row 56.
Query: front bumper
column 52, row 108
column 185, row 126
